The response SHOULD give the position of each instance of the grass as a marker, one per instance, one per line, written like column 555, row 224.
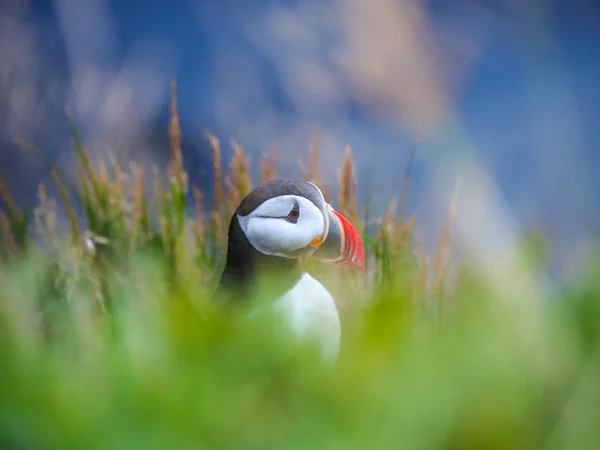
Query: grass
column 110, row 339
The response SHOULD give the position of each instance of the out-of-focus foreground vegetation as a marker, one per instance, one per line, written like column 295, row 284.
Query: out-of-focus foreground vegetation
column 109, row 337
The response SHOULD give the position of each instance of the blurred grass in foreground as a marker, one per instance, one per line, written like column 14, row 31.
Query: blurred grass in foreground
column 112, row 340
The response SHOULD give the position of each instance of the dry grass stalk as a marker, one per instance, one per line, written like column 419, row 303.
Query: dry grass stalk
column 9, row 240
column 157, row 193
column 238, row 181
column 386, row 223
column 39, row 212
column 84, row 183
column 402, row 233
column 421, row 286
column 216, row 224
column 315, row 173
column 217, row 171
column 199, row 207
column 119, row 178
column 354, row 202
column 265, row 168
column 274, row 161
column 176, row 164
column 348, row 187
column 114, row 195
column 312, row 173
column 85, row 170
column 163, row 228
column 45, row 214
column 157, row 189
column 268, row 167
column 344, row 180
column 7, row 198
column 137, row 199
column 233, row 194
column 103, row 177
column 303, row 170
column 408, row 228
column 442, row 248
column 66, row 199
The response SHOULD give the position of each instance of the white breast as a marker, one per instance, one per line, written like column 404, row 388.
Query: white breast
column 310, row 311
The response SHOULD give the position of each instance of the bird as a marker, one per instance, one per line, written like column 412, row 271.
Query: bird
column 274, row 225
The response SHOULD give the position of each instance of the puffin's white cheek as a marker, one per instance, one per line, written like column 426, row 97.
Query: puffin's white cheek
column 277, row 236
column 274, row 235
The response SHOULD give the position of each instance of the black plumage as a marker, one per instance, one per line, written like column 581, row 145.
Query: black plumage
column 244, row 264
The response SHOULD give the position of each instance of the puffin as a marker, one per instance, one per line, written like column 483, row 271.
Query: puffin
column 278, row 222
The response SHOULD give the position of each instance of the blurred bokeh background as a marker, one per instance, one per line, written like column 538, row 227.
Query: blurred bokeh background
column 500, row 99
column 465, row 331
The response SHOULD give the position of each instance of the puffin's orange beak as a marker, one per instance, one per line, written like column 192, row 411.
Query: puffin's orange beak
column 342, row 244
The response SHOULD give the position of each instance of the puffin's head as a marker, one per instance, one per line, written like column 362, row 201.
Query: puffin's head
column 289, row 218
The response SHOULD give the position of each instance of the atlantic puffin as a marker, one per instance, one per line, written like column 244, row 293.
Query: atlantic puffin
column 276, row 223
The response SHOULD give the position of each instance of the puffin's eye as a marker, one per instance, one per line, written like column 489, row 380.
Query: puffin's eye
column 294, row 214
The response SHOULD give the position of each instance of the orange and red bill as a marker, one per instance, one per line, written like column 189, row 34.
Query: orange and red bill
column 342, row 244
